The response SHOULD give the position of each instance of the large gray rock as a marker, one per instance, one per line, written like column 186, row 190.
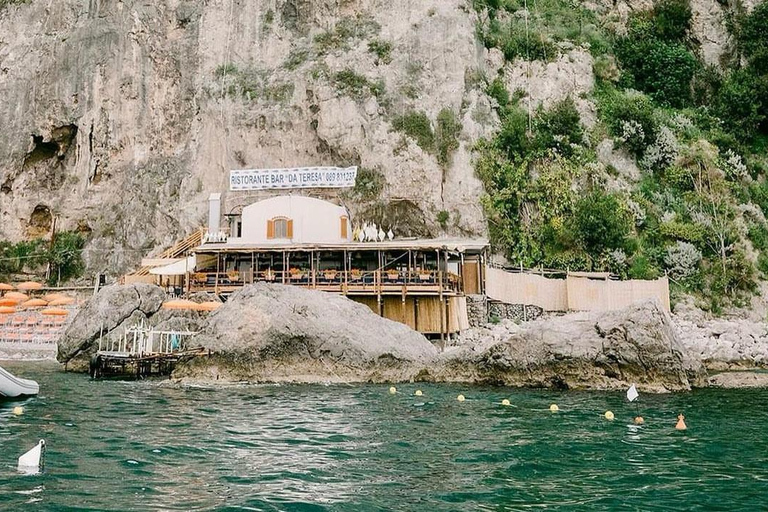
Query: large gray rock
column 584, row 350
column 275, row 333
column 105, row 313
column 724, row 344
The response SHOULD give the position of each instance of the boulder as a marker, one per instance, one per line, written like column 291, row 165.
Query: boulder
column 607, row 350
column 275, row 333
column 739, row 380
column 724, row 344
column 105, row 313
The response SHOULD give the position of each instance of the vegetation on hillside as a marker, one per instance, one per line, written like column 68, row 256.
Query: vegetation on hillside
column 698, row 209
column 64, row 257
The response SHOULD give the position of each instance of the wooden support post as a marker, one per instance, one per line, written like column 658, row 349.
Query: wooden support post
column 253, row 269
column 441, row 309
column 218, row 269
column 312, row 268
column 345, row 285
column 377, row 277
column 409, row 270
column 416, row 314
column 481, row 273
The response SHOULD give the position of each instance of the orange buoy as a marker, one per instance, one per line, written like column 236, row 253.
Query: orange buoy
column 639, row 420
column 681, row 423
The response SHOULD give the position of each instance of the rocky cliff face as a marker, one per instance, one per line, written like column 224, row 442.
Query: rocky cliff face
column 120, row 117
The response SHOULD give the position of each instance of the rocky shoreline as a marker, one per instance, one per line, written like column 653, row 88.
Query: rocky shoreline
column 275, row 333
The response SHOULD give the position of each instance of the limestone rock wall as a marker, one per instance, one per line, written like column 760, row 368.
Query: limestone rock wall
column 120, row 117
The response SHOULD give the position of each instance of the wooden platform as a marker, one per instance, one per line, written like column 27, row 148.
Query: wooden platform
column 137, row 366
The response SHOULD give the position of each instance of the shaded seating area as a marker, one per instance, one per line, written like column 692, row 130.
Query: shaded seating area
column 364, row 268
column 29, row 316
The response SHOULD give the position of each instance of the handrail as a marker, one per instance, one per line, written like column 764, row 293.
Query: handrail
column 176, row 250
column 373, row 279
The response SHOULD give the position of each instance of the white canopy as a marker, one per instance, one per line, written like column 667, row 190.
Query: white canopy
column 178, row 268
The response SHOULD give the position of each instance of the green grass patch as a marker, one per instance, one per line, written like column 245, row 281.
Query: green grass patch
column 345, row 31
column 382, row 50
column 356, row 86
column 417, row 126
column 551, row 22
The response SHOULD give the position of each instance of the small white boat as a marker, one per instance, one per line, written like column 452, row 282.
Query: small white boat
column 12, row 386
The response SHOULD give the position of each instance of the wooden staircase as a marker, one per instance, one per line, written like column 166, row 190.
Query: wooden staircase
column 178, row 250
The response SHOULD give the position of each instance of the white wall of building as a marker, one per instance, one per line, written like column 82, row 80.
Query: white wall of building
column 314, row 220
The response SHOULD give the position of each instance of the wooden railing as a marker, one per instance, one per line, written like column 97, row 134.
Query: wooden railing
column 178, row 250
column 357, row 280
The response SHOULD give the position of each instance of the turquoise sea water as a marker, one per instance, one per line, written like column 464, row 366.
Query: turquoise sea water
column 143, row 446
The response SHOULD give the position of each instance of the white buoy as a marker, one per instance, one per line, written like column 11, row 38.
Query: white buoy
column 32, row 462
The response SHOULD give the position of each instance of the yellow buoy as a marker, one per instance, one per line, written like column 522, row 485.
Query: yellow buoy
column 681, row 423
column 460, row 398
column 609, row 415
column 505, row 402
column 553, row 408
column 18, row 410
column 418, row 392
column 392, row 390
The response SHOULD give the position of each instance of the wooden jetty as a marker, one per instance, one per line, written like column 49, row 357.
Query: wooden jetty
column 141, row 352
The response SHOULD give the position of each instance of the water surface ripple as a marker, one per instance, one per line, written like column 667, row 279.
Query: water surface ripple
column 146, row 446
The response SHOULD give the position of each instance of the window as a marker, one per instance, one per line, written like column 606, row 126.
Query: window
column 279, row 228
column 344, row 227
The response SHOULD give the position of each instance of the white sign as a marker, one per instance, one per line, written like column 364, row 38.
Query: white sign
column 301, row 177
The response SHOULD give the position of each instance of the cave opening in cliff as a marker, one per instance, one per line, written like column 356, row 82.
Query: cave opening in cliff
column 43, row 150
column 40, row 221
column 57, row 147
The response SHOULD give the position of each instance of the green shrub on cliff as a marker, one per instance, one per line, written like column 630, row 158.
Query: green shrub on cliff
column 345, row 31
column 559, row 128
column 446, row 135
column 601, row 222
column 356, row 86
column 64, row 257
column 534, row 33
column 417, row 126
column 654, row 53
column 740, row 103
column 6, row 3
column 749, row 30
